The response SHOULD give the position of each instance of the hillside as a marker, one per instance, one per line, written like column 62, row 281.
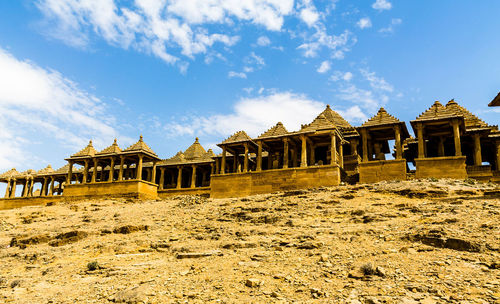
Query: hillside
column 402, row 242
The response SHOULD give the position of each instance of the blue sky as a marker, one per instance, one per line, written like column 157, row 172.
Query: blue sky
column 74, row 70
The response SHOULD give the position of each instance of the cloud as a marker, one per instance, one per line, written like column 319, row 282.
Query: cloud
column 35, row 102
column 381, row 5
column 390, row 29
column 337, row 44
column 166, row 29
column 338, row 75
column 309, row 15
column 324, row 67
column 253, row 115
column 347, row 76
column 233, row 74
column 364, row 23
column 263, row 41
column 377, row 83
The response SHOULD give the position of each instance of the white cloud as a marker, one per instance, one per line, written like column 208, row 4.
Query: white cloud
column 309, row 15
column 36, row 101
column 390, row 29
column 338, row 75
column 377, row 83
column 365, row 98
column 364, row 23
column 233, row 74
column 382, row 5
column 337, row 44
column 324, row 67
column 263, row 41
column 253, row 115
column 347, row 76
column 158, row 27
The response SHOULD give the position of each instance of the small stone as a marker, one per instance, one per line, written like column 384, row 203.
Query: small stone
column 323, row 258
column 15, row 283
column 252, row 282
column 131, row 296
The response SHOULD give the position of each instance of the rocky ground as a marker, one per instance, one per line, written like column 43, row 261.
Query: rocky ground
column 403, row 242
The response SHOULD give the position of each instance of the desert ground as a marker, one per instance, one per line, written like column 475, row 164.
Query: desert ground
column 419, row 241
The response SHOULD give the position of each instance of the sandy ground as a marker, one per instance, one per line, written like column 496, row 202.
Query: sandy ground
column 402, row 242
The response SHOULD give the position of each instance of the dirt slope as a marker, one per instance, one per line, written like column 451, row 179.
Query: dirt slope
column 404, row 242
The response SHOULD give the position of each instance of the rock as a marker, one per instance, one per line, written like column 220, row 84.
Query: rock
column 68, row 237
column 309, row 245
column 15, row 283
column 252, row 282
column 191, row 255
column 130, row 228
column 33, row 240
column 437, row 238
column 131, row 296
column 323, row 258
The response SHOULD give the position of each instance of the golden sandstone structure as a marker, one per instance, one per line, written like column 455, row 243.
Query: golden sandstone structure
column 450, row 142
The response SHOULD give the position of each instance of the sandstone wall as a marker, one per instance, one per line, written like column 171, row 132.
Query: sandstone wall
column 249, row 183
column 376, row 171
column 441, row 167
column 17, row 202
column 205, row 191
column 129, row 188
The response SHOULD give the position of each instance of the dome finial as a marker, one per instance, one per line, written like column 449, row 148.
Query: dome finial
column 140, row 138
column 196, row 139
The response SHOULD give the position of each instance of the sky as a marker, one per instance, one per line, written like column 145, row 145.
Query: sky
column 173, row 70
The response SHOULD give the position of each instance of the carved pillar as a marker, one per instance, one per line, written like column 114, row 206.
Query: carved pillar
column 120, row 173
column 498, row 155
column 259, row 155
column 478, row 161
column 217, row 166
column 111, row 170
column 421, row 141
column 31, row 186
column 52, row 182
column 285, row 153
column 333, row 149
column 441, row 146
column 269, row 159
column 85, row 172
column 456, row 137
column 313, row 154
column 179, row 177
column 364, row 138
column 162, row 177
column 13, row 189
column 354, row 146
column 25, row 188
column 43, row 191
column 303, row 156
column 94, row 171
column 70, row 172
column 139, row 168
column 245, row 160
column 7, row 190
column 193, row 177
column 397, row 142
column 223, row 165
column 235, row 162
column 341, row 155
column 153, row 174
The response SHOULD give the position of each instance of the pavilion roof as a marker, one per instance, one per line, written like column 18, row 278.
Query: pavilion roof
column 276, row 131
column 495, row 102
column 196, row 150
column 113, row 149
column 319, row 123
column 381, row 118
column 335, row 118
column 437, row 112
column 240, row 136
column 45, row 171
column 12, row 173
column 85, row 152
column 193, row 154
column 140, row 146
column 63, row 170
column 471, row 120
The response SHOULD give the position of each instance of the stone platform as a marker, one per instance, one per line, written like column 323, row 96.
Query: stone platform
column 441, row 167
column 127, row 188
column 267, row 181
column 204, row 191
column 18, row 202
column 382, row 170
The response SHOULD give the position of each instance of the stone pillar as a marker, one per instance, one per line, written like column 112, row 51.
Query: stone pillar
column 333, row 149
column 153, row 174
column 43, row 191
column 235, row 162
column 259, row 155
column 7, row 189
column 111, row 170
column 120, row 173
column 245, row 160
column 341, row 155
column 217, row 166
column 269, row 159
column 70, row 172
column 223, row 164
column 421, row 141
column 31, row 186
column 25, row 188
column 285, row 153
column 456, row 137
column 303, row 156
column 52, row 184
column 397, row 142
column 313, row 154
column 179, row 177
column 354, row 146
column 162, row 177
column 498, row 155
column 478, row 161
column 193, row 177
column 13, row 189
column 85, row 172
column 139, row 168
column 94, row 172
column 441, row 146
column 364, row 138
